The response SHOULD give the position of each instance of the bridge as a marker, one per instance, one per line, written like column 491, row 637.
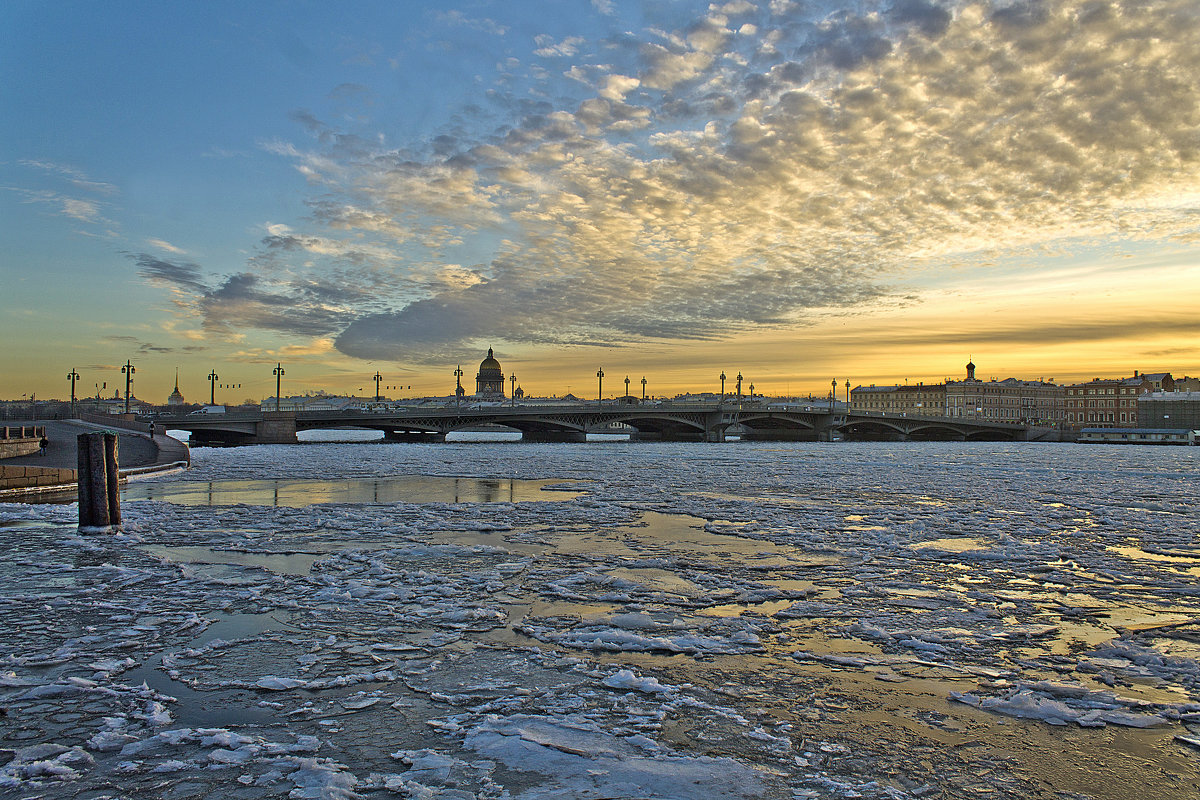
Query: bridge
column 658, row 421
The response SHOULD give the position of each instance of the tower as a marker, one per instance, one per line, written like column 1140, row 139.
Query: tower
column 176, row 398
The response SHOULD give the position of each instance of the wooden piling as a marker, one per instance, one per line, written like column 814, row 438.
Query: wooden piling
column 98, row 480
column 83, row 479
column 113, row 478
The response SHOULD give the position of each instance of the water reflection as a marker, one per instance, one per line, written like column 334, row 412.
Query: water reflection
column 300, row 493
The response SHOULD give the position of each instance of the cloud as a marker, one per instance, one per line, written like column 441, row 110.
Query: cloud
column 163, row 245
column 698, row 183
column 547, row 48
column 183, row 275
column 242, row 301
column 458, row 19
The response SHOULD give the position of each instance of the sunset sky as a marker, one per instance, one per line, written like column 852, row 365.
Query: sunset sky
column 799, row 191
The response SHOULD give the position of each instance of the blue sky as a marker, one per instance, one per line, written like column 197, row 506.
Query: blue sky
column 795, row 190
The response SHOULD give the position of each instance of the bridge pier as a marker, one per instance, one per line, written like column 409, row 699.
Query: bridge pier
column 277, row 427
column 413, row 436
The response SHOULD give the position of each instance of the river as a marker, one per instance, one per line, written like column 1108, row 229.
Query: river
column 614, row 620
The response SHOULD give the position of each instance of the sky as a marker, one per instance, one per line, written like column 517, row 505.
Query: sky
column 799, row 192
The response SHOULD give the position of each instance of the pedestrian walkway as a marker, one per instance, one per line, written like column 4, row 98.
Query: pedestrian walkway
column 133, row 449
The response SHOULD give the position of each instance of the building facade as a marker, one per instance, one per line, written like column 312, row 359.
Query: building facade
column 1112, row 402
column 1038, row 403
column 921, row 399
column 1171, row 410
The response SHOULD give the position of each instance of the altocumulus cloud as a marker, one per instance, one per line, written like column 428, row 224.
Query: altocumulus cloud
column 745, row 167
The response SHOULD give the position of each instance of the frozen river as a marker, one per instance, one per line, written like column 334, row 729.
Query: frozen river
column 614, row 620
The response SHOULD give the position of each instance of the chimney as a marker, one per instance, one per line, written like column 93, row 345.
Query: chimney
column 1135, row 373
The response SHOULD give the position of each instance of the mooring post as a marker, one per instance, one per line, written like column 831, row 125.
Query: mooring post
column 113, row 478
column 98, row 481
column 83, row 478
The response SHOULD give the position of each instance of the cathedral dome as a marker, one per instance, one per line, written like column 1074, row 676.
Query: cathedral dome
column 490, row 364
column 489, row 383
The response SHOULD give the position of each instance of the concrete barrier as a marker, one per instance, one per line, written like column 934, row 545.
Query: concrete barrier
column 20, row 440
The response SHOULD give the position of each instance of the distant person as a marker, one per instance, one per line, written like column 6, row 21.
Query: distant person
column 151, row 430
column 42, row 445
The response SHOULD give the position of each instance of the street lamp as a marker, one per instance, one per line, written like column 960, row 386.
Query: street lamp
column 752, row 393
column 278, row 373
column 212, row 387
column 378, row 378
column 128, row 370
column 643, row 388
column 600, row 386
column 739, row 387
column 722, row 386
column 627, row 386
column 512, row 382
column 847, row 394
column 832, row 394
column 458, row 390
column 72, row 376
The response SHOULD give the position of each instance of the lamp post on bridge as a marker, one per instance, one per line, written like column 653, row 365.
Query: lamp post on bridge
column 722, row 386
column 739, row 387
column 832, row 394
column 512, row 382
column 600, row 386
column 847, row 395
column 627, row 387
column 212, row 387
column 128, row 369
column 643, row 388
column 752, row 393
column 72, row 376
column 278, row 373
column 458, row 390
column 378, row 378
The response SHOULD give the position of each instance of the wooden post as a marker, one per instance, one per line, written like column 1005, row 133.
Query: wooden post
column 113, row 478
column 98, row 480
column 83, row 478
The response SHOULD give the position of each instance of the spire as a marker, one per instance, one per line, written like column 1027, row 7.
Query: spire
column 177, row 380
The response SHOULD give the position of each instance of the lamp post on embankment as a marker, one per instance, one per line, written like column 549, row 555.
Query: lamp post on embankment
column 378, row 378
column 213, row 377
column 512, row 400
column 458, row 390
column 278, row 372
column 72, row 376
column 643, row 388
column 128, row 369
column 600, row 386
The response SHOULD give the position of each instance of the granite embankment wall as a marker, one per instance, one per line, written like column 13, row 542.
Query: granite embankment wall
column 27, row 477
column 20, row 440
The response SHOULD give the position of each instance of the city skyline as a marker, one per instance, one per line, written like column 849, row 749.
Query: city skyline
column 870, row 192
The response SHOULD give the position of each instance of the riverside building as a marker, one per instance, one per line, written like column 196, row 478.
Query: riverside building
column 1170, row 410
column 1010, row 400
column 1112, row 402
column 923, row 400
